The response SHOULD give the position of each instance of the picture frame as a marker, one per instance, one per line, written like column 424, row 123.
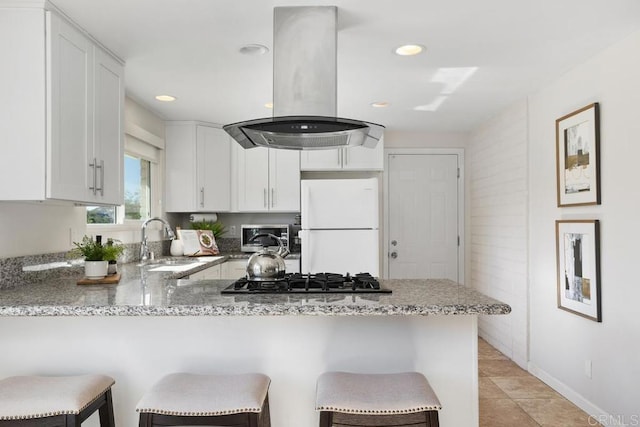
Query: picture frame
column 578, row 157
column 578, row 265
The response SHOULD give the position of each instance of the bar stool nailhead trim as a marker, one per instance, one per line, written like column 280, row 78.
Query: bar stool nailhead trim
column 207, row 396
column 366, row 395
column 69, row 395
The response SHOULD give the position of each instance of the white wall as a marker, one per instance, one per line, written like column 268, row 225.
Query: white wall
column 497, row 238
column 36, row 228
column 512, row 201
column 561, row 342
column 39, row 228
column 399, row 139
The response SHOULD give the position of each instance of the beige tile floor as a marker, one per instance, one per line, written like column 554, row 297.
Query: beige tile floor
column 511, row 397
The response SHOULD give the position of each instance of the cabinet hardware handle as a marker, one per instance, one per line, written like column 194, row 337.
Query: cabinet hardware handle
column 264, row 197
column 95, row 176
column 202, row 197
column 339, row 150
column 346, row 156
column 101, row 167
column 273, row 198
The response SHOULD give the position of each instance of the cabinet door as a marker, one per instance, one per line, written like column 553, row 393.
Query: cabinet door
column 180, row 169
column 70, row 107
column 321, row 160
column 211, row 273
column 362, row 158
column 234, row 269
column 284, row 180
column 213, row 170
column 22, row 106
column 354, row 158
column 292, row 265
column 109, row 129
column 253, row 179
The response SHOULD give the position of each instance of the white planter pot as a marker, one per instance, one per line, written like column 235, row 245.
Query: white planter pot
column 96, row 269
column 176, row 248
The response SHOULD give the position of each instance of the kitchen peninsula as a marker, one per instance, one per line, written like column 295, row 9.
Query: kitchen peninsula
column 151, row 324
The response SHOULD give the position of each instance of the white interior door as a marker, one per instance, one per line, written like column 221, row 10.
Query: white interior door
column 423, row 217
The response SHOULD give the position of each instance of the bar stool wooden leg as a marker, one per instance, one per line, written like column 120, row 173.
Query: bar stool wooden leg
column 326, row 419
column 106, row 412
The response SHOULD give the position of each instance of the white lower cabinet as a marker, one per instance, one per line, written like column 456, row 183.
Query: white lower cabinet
column 234, row 269
column 292, row 265
column 211, row 273
column 344, row 159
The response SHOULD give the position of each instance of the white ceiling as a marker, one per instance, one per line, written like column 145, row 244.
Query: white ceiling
column 189, row 49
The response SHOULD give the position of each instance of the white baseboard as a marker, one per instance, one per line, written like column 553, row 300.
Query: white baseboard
column 597, row 415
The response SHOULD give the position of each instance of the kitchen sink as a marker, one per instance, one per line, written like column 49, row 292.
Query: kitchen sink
column 177, row 264
column 166, row 261
column 177, row 267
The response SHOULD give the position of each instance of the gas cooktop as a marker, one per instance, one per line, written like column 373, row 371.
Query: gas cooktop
column 298, row 283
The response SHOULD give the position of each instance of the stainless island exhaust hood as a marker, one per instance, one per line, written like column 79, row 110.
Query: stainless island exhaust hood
column 304, row 89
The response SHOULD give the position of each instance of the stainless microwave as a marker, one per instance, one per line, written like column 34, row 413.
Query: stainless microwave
column 247, row 231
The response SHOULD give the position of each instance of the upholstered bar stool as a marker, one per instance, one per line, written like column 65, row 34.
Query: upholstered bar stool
column 404, row 399
column 66, row 401
column 184, row 399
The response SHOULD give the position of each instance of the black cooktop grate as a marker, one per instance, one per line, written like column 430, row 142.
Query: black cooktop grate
column 309, row 283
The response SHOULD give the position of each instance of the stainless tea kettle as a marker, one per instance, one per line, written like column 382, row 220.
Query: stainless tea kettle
column 267, row 265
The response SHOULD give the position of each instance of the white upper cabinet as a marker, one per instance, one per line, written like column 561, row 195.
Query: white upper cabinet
column 198, row 168
column 344, row 159
column 268, row 180
column 61, row 119
column 109, row 127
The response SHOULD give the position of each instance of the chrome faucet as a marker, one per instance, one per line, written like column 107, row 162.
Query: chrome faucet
column 144, row 248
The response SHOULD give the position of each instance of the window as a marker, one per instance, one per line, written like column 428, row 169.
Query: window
column 137, row 188
column 101, row 214
column 140, row 185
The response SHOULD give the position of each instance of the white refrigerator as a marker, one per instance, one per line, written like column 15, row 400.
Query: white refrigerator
column 339, row 232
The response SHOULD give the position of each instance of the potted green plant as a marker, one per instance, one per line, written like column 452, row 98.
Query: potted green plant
column 96, row 256
column 217, row 228
column 112, row 251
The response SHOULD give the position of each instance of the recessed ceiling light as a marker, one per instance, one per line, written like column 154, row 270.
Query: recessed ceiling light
column 409, row 49
column 165, row 98
column 254, row 49
column 268, row 105
column 380, row 104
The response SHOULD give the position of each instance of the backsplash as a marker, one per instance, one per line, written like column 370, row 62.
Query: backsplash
column 226, row 245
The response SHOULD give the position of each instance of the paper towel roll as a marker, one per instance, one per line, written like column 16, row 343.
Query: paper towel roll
column 203, row 217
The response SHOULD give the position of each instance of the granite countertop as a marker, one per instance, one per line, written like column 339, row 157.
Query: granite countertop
column 146, row 293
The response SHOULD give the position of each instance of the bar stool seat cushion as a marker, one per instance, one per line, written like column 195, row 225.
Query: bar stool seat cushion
column 186, row 394
column 27, row 397
column 375, row 394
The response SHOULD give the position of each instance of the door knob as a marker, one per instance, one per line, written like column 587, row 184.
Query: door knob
column 394, row 255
